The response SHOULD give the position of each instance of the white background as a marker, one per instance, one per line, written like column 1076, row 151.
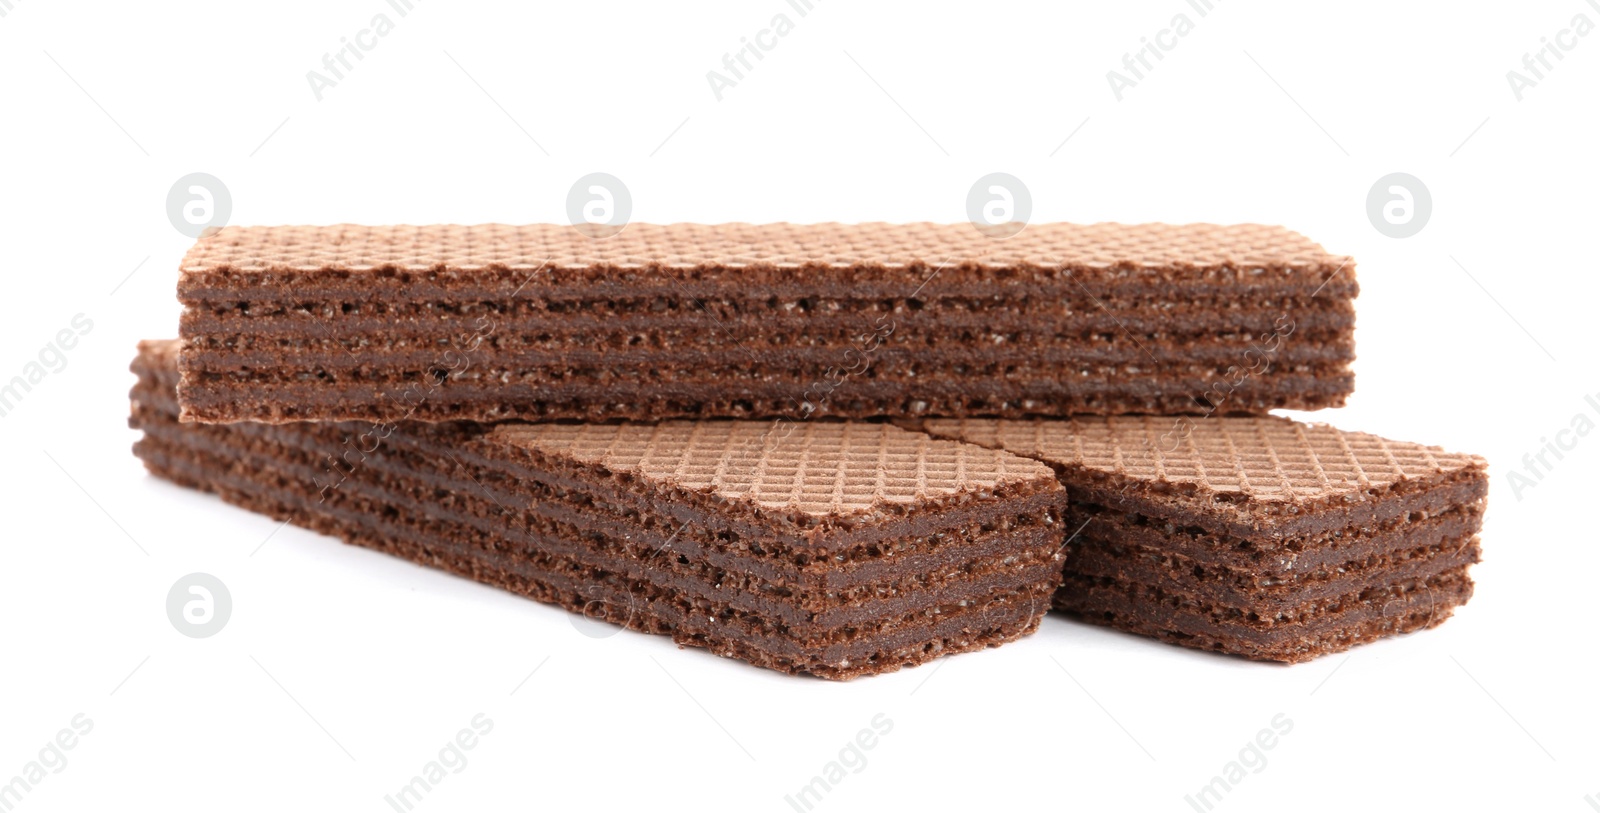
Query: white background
column 342, row 672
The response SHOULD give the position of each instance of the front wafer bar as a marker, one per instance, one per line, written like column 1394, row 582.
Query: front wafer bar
column 490, row 323
column 834, row 549
column 1261, row 537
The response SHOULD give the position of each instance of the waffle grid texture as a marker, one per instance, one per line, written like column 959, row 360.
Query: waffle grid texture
column 777, row 245
column 1266, row 461
column 819, row 469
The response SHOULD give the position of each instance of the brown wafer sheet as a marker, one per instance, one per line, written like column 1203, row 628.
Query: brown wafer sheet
column 1257, row 536
column 834, row 549
column 490, row 323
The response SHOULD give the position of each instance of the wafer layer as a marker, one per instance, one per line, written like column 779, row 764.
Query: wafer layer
column 487, row 323
column 1261, row 537
column 834, row 549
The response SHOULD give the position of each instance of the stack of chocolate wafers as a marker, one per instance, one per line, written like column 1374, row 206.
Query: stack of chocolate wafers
column 833, row 450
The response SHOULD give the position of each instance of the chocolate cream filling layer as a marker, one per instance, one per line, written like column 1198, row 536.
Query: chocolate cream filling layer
column 596, row 540
column 778, row 285
column 570, row 378
column 646, row 606
column 1178, row 576
column 1177, row 314
column 536, row 524
column 1291, row 558
column 868, row 603
column 429, row 399
column 1324, row 627
column 824, row 553
column 992, row 352
column 592, row 344
column 424, row 396
column 1275, row 597
column 1273, row 527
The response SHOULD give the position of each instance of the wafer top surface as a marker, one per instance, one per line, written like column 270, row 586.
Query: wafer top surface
column 776, row 245
column 819, row 469
column 1260, row 461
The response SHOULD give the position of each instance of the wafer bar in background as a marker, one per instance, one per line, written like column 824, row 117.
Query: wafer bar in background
column 490, row 323
column 835, row 549
column 1262, row 537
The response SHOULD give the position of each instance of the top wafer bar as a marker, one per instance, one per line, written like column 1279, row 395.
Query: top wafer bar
column 544, row 322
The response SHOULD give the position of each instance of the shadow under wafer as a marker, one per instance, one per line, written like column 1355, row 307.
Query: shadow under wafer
column 832, row 549
column 1256, row 536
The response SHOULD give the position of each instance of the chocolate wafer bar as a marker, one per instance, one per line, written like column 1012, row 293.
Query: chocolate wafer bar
column 541, row 323
column 1257, row 536
column 833, row 549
